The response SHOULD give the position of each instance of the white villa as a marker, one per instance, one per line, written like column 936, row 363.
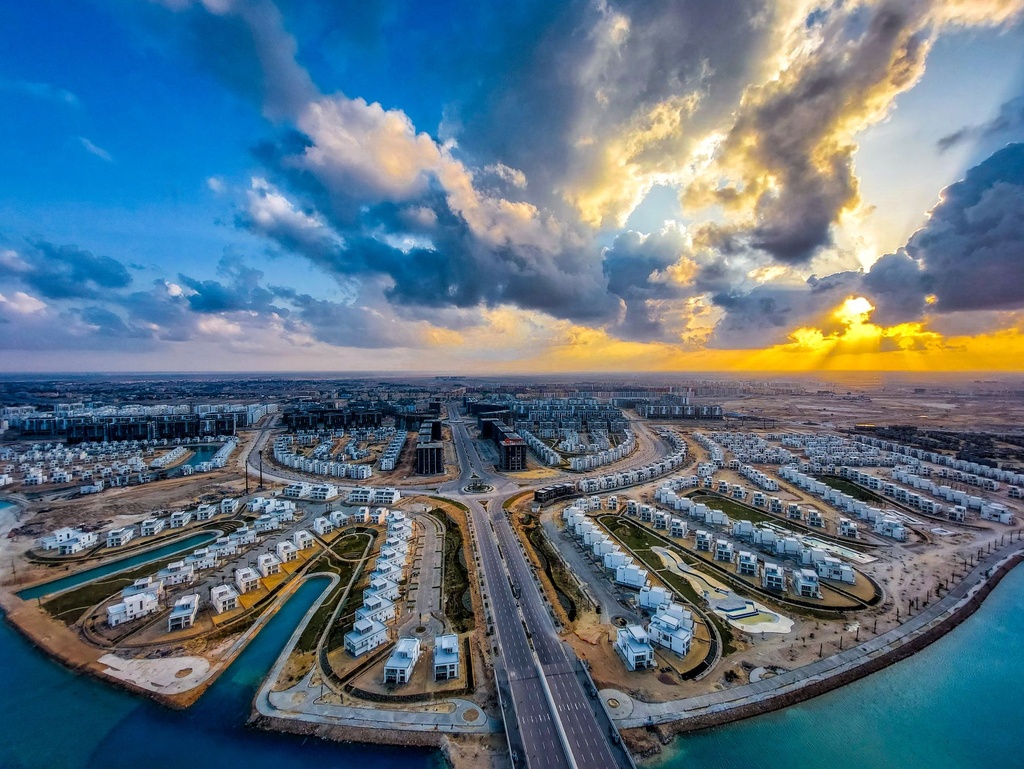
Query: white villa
column 400, row 665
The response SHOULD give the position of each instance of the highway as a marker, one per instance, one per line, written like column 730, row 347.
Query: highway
column 555, row 718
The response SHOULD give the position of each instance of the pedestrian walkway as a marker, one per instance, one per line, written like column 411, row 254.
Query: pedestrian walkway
column 630, row 713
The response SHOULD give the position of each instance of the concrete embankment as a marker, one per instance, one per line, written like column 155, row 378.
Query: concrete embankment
column 804, row 684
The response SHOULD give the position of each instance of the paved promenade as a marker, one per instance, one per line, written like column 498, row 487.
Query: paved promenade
column 631, row 713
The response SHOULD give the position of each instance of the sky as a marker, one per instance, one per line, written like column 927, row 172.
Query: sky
column 465, row 187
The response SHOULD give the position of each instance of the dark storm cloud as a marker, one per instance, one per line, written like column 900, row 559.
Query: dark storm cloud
column 635, row 267
column 65, row 272
column 793, row 131
column 1010, row 120
column 242, row 292
column 768, row 313
column 972, row 248
column 538, row 93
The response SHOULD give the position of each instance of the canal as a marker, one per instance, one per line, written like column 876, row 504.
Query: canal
column 75, row 722
column 38, row 591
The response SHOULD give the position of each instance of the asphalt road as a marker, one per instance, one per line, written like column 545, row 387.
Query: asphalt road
column 555, row 718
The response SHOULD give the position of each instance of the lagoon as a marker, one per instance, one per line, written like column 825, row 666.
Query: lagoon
column 60, row 719
column 954, row 705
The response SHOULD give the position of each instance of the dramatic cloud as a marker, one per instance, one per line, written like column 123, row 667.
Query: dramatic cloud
column 971, row 251
column 61, row 272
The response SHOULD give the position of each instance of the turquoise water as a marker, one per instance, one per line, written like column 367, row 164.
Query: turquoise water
column 57, row 719
column 955, row 705
column 196, row 540
column 202, row 454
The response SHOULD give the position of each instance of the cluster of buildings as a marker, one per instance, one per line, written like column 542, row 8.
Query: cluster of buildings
column 285, row 454
column 370, row 629
column 78, row 422
column 670, row 627
column 145, row 596
column 71, row 541
column 824, row 451
column 958, row 470
column 624, row 569
column 638, row 475
column 751, row 448
column 227, row 597
column 606, row 457
column 389, row 457
column 887, row 523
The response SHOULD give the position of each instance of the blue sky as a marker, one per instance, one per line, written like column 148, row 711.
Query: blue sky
column 454, row 187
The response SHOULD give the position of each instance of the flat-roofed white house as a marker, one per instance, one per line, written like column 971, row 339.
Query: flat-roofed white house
column 361, row 515
column 152, row 526
column 183, row 613
column 287, row 552
column 322, row 526
column 805, row 583
column 302, row 539
column 890, row 527
column 268, row 564
column 834, row 569
column 815, row 518
column 723, row 550
column 385, row 588
column 365, row 635
column 672, row 628
column 176, row 573
column 228, row 505
column 132, row 607
column 677, row 527
column 631, row 575
column 703, row 540
column 120, row 537
column 446, row 657
column 242, row 536
column 323, row 491
column 224, row 598
column 386, row 570
column 616, row 558
column 376, row 607
column 338, row 518
column 848, row 528
column 247, row 579
column 399, row 666
column 746, row 563
column 148, row 584
column 634, row 646
column 266, row 523
column 773, row 577
column 299, row 490
column 203, row 558
column 653, row 597
column 205, row 512
column 65, row 538
column 180, row 518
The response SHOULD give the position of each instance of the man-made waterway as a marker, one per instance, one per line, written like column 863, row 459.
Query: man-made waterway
column 201, row 454
column 955, row 705
column 196, row 540
column 59, row 719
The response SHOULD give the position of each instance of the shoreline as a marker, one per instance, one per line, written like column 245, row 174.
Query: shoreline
column 647, row 741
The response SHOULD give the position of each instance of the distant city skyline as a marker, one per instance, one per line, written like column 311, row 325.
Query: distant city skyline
column 274, row 185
